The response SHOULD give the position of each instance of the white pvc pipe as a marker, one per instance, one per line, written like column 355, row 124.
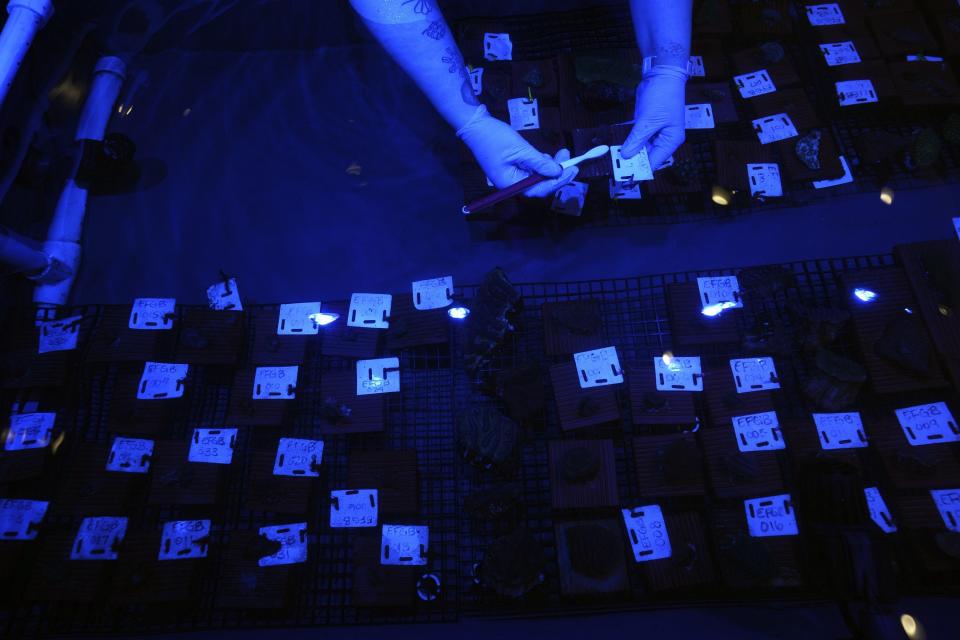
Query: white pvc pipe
column 25, row 18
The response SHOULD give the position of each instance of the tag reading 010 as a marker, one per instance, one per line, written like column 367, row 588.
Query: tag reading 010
column 352, row 508
column 275, row 383
column 774, row 128
column 370, row 310
column 381, row 375
column 773, row 516
column 598, row 368
column 879, row 512
column 59, row 335
column 840, row 430
column 758, row 432
column 162, row 381
column 647, row 532
column 754, row 374
column 754, row 84
column 213, row 445
column 184, row 539
column 722, row 290
column 630, row 169
column 298, row 457
column 20, row 519
column 928, row 424
column 404, row 544
column 29, row 431
column 676, row 373
column 152, row 314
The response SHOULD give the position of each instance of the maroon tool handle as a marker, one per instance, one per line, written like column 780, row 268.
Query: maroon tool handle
column 503, row 194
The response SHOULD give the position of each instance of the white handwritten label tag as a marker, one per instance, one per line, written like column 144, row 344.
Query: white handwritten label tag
column 59, row 335
column 698, row 116
column 476, row 80
column 275, row 383
column 879, row 512
column 184, row 539
column 647, row 532
column 293, row 544
column 298, row 319
column 497, row 46
column 381, row 375
column 928, row 424
column 214, row 446
column 298, row 457
column 956, row 227
column 29, row 431
column 850, row 92
column 20, row 519
column 404, row 544
column 822, row 15
column 353, row 508
column 754, row 374
column 758, row 432
column 840, row 430
column 130, row 455
column 846, row 178
column 435, row 293
column 98, row 538
column 630, row 169
column 697, row 70
column 370, row 310
column 774, row 128
column 625, row 190
column 598, row 368
column 570, row 198
column 765, row 180
column 723, row 290
column 924, row 58
column 524, row 113
column 152, row 314
column 840, row 53
column 773, row 516
column 948, row 504
column 676, row 373
column 162, row 381
column 224, row 296
column 754, row 84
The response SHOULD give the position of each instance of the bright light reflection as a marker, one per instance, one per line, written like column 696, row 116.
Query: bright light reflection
column 323, row 319
column 712, row 310
column 458, row 313
column 864, row 295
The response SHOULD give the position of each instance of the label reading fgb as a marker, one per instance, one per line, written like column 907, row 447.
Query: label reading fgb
column 822, row 15
column 212, row 445
column 20, row 519
column 773, row 516
column 723, row 290
column 435, row 293
column 29, row 431
column 879, row 512
column 928, row 424
column 152, row 314
column 380, row 375
column 850, row 92
column 765, row 180
column 524, row 113
column 647, row 532
column 754, row 374
column 840, row 53
column 162, row 381
column 774, row 128
column 293, row 544
column 754, row 84
column 130, row 455
column 184, row 539
column 630, row 169
column 598, row 368
column 275, row 383
column 948, row 504
column 298, row 457
column 370, row 310
column 98, row 538
column 298, row 319
column 404, row 544
column 758, row 432
column 678, row 373
column 840, row 430
column 59, row 335
column 352, row 508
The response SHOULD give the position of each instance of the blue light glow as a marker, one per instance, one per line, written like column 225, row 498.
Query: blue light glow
column 458, row 313
column 908, row 310
column 323, row 319
column 864, row 295
column 713, row 310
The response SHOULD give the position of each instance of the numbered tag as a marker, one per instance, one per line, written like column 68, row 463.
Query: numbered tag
column 130, row 455
column 184, row 539
column 152, row 314
column 698, row 116
column 956, row 227
column 624, row 190
column 29, row 431
column 773, row 516
column 928, row 424
column 632, row 169
column 722, row 290
column 879, row 512
column 758, row 432
column 476, row 80
column 214, row 446
column 822, row 15
column 774, row 128
column 98, row 538
column 674, row 373
column 404, row 544
column 497, row 46
column 524, row 113
column 765, row 180
column 293, row 544
column 20, row 519
column 851, row 92
column 381, row 375
column 570, row 198
column 298, row 319
column 598, row 368
column 297, row 457
column 754, row 374
column 353, row 508
column 162, row 381
column 275, row 383
column 840, row 53
column 847, row 177
column 697, row 70
column 840, row 430
column 948, row 504
column 754, row 84
column 59, row 335
column 647, row 532
column 370, row 310
column 224, row 296
column 435, row 293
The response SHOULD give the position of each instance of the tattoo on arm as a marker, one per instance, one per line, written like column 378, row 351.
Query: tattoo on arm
column 422, row 7
column 454, row 61
column 435, row 30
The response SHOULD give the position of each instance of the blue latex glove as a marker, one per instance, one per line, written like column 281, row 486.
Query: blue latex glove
column 507, row 158
column 659, row 113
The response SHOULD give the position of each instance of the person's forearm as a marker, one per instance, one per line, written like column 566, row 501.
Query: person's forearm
column 663, row 29
column 417, row 37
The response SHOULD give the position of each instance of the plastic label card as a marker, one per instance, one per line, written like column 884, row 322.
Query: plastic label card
column 130, row 455
column 774, row 128
column 647, row 532
column 948, row 504
column 20, row 519
column 928, row 424
column 476, row 80
column 840, row 430
column 765, row 180
column 846, row 178
column 224, row 296
column 298, row 457
column 821, row 15
column 213, row 446
column 298, row 319
column 675, row 373
column 59, row 335
column 625, row 190
column 956, row 227
column 293, row 544
column 839, row 53
column 404, row 544
column 275, row 383
column 723, row 290
column 632, row 169
column 98, row 538
column 381, row 375
column 754, row 84
column 184, row 539
column 353, row 508
column 435, row 293
column 29, row 431
column 153, row 313
column 524, row 113
column 665, row 164
column 598, row 368
column 922, row 58
column 698, row 116
column 370, row 310
column 850, row 92
column 754, row 374
column 773, row 516
column 879, row 512
column 758, row 432
column 497, row 46
column 570, row 198
column 697, row 70
column 162, row 381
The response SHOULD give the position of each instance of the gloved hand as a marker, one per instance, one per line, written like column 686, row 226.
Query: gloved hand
column 507, row 158
column 660, row 121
